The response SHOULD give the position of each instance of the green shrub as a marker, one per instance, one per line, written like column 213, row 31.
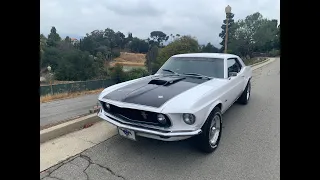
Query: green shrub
column 117, row 74
column 115, row 53
column 274, row 53
column 135, row 73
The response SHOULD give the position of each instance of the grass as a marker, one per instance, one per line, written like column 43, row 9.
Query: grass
column 129, row 59
column 127, row 64
column 48, row 98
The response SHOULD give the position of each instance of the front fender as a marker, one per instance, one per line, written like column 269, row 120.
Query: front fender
column 211, row 107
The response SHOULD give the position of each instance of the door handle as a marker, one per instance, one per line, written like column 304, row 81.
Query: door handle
column 242, row 76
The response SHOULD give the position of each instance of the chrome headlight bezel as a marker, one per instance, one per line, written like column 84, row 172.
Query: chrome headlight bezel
column 189, row 118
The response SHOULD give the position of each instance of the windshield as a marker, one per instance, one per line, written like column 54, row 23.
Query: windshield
column 212, row 67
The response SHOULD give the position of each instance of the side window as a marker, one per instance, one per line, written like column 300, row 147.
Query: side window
column 233, row 65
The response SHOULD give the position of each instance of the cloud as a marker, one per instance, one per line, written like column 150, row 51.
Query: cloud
column 201, row 18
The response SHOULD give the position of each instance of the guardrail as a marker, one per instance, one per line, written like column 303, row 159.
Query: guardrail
column 75, row 87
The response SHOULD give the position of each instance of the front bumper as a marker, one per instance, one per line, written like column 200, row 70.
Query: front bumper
column 149, row 132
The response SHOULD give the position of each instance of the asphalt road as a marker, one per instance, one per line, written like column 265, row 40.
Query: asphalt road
column 56, row 111
column 249, row 148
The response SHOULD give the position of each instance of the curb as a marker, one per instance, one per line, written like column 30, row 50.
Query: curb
column 68, row 127
column 255, row 64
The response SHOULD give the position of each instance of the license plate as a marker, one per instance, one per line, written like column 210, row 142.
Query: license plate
column 127, row 133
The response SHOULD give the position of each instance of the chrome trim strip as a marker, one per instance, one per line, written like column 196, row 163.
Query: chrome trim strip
column 144, row 130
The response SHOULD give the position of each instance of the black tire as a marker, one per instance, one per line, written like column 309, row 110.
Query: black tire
column 203, row 139
column 245, row 96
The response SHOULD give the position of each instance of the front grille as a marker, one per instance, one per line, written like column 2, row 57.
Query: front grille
column 134, row 115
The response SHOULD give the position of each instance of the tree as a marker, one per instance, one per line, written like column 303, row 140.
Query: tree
column 53, row 37
column 65, row 45
column 110, row 38
column 117, row 73
column 253, row 34
column 129, row 36
column 184, row 44
column 138, row 46
column 43, row 44
column 120, row 39
column 67, row 39
column 52, row 57
column 230, row 30
column 151, row 57
column 209, row 48
column 159, row 37
column 242, row 42
column 265, row 35
column 75, row 65
column 103, row 41
column 98, row 64
column 276, row 41
column 91, row 41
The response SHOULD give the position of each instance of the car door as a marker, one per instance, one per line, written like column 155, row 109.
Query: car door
column 236, row 79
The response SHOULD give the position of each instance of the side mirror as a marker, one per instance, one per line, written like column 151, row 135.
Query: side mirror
column 233, row 74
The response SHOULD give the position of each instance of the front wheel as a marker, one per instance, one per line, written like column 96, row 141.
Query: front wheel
column 209, row 139
column 245, row 96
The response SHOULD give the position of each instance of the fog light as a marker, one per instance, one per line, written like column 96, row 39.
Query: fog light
column 107, row 106
column 161, row 118
column 188, row 118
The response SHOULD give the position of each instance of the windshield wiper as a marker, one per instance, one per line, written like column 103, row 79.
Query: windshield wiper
column 168, row 70
column 198, row 75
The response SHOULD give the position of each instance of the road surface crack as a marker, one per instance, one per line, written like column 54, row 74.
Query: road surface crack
column 57, row 166
column 101, row 166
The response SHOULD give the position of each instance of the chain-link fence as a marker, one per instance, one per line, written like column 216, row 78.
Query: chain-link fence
column 75, row 87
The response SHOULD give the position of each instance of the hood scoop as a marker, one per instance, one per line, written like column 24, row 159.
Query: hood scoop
column 165, row 81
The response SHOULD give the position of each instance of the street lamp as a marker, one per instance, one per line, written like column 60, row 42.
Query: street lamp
column 50, row 76
column 228, row 12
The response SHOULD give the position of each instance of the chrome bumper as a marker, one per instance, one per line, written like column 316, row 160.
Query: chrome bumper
column 115, row 121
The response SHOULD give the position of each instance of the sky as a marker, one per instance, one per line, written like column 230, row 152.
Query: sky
column 199, row 18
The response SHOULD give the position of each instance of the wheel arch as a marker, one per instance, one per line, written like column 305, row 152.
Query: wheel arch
column 217, row 103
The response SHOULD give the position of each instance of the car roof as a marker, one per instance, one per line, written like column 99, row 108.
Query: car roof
column 207, row 55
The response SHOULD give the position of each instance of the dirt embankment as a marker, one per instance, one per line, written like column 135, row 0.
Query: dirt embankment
column 129, row 59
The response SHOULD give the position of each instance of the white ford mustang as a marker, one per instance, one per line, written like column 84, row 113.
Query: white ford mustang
column 185, row 98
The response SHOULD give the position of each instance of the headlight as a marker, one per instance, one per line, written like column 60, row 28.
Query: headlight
column 188, row 118
column 161, row 118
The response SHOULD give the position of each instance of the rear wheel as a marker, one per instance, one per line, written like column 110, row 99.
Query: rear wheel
column 245, row 96
column 209, row 139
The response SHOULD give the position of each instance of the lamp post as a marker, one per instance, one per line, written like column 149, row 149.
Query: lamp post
column 228, row 11
column 49, row 69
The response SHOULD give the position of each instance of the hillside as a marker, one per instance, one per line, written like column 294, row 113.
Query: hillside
column 129, row 59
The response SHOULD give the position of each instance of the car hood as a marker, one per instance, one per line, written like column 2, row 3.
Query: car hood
column 153, row 91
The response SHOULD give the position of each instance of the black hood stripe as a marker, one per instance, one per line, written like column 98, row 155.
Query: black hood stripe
column 151, row 94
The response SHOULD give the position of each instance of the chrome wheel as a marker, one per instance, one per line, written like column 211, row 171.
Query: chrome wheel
column 214, row 132
column 248, row 91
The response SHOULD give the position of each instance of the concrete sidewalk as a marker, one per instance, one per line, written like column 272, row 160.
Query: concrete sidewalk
column 62, row 148
column 57, row 150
